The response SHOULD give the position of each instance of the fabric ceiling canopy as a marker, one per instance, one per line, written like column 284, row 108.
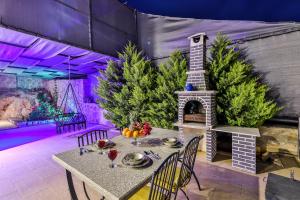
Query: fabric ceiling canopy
column 27, row 55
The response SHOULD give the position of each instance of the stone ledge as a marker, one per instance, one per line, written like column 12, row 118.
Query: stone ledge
column 197, row 72
column 238, row 130
column 197, row 92
column 192, row 125
column 197, row 34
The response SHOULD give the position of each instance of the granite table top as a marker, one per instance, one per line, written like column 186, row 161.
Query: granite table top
column 121, row 182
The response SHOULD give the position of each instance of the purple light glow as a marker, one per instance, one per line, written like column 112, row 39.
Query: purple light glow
column 15, row 137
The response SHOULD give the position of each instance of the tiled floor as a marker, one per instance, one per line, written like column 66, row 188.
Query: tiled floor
column 28, row 172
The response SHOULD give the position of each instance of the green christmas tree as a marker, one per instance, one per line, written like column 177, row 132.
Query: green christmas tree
column 241, row 98
column 171, row 77
column 126, row 88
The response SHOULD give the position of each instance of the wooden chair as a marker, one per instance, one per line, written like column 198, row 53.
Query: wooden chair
column 91, row 137
column 162, row 181
column 184, row 175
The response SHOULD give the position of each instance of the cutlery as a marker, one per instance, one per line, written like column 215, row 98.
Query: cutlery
column 84, row 150
column 81, row 151
column 158, row 157
column 150, row 155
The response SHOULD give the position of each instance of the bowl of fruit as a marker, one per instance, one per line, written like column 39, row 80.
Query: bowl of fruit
column 137, row 130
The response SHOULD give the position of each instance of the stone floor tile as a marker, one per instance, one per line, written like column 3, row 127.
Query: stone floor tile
column 28, row 172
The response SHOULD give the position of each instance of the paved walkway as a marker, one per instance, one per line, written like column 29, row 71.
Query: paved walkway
column 27, row 172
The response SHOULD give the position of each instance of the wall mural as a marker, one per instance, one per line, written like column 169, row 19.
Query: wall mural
column 25, row 98
column 28, row 98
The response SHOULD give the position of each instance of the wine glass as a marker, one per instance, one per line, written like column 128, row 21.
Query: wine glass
column 136, row 141
column 101, row 145
column 112, row 154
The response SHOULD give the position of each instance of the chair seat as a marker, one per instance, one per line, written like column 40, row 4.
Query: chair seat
column 143, row 193
column 176, row 178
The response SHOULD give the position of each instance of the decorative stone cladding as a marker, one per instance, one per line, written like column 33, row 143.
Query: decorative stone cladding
column 243, row 145
column 211, row 145
column 206, row 98
column 244, row 152
column 198, row 79
column 197, row 76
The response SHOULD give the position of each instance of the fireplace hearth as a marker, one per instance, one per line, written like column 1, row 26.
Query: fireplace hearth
column 194, row 112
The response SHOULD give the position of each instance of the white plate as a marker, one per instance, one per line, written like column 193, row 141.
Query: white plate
column 146, row 161
column 133, row 158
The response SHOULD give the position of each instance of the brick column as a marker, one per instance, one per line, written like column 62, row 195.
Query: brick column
column 197, row 75
column 244, row 152
column 211, row 145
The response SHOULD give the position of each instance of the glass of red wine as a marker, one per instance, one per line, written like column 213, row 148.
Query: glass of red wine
column 112, row 154
column 101, row 145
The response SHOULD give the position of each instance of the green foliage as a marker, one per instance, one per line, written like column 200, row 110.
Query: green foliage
column 110, row 83
column 171, row 77
column 46, row 108
column 126, row 88
column 241, row 99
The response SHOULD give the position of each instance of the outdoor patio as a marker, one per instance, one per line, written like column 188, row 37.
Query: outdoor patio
column 127, row 100
column 30, row 173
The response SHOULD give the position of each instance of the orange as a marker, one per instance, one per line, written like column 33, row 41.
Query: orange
column 141, row 132
column 129, row 133
column 124, row 132
column 135, row 134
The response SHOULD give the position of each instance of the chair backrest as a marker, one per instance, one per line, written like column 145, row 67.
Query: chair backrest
column 67, row 118
column 163, row 179
column 91, row 137
column 188, row 161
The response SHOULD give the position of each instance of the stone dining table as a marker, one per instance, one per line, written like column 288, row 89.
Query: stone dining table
column 120, row 182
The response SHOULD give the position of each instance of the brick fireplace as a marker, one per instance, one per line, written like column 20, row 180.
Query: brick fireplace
column 197, row 107
column 196, row 110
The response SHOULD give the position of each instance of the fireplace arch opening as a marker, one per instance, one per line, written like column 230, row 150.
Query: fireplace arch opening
column 194, row 112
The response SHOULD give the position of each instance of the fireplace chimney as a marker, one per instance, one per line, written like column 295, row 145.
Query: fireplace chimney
column 197, row 74
column 206, row 119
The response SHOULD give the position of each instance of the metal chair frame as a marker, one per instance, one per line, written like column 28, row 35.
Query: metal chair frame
column 69, row 121
column 187, row 166
column 90, row 138
column 163, row 179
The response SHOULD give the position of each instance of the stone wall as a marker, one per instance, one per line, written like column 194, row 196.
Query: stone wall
column 92, row 111
column 282, row 139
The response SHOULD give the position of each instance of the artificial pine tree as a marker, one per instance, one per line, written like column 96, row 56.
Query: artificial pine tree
column 140, row 83
column 171, row 77
column 110, row 82
column 126, row 88
column 241, row 99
